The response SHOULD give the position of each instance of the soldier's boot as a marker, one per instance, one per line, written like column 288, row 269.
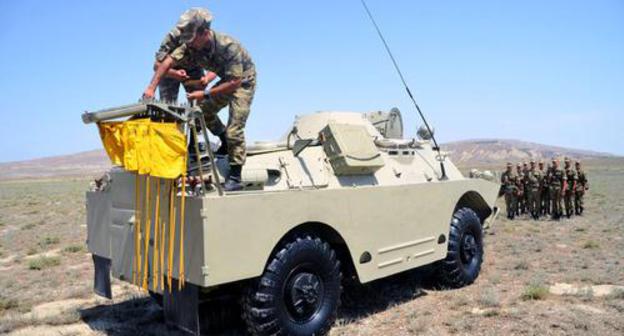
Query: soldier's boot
column 223, row 149
column 233, row 182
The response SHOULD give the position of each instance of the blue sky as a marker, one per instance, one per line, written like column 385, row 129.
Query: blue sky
column 542, row 71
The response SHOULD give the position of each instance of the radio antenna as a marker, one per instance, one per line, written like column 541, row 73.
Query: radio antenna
column 407, row 89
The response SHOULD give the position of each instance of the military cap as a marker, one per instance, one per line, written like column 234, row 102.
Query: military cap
column 532, row 161
column 509, row 164
column 541, row 162
column 566, row 160
column 191, row 20
column 577, row 162
column 519, row 165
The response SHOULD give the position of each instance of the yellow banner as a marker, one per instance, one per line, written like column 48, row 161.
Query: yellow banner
column 154, row 148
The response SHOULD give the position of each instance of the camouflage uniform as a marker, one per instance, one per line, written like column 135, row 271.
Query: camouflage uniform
column 556, row 177
column 544, row 192
column 534, row 178
column 229, row 60
column 570, row 191
column 525, row 181
column 168, row 87
column 581, row 186
column 510, row 188
column 520, row 186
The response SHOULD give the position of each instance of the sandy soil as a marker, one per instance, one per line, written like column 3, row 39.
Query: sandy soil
column 539, row 277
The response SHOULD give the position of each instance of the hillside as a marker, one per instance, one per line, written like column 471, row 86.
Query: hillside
column 88, row 163
column 499, row 151
column 463, row 153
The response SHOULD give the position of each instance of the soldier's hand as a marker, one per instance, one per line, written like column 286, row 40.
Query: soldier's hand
column 179, row 74
column 195, row 95
column 149, row 94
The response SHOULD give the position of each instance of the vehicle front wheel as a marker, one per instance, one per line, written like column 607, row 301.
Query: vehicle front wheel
column 298, row 293
column 463, row 260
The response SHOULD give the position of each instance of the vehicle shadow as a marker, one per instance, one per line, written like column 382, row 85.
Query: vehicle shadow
column 142, row 316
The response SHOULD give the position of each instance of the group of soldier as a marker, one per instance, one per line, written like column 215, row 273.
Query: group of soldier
column 538, row 191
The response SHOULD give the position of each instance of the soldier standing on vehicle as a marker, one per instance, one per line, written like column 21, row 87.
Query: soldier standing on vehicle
column 534, row 178
column 520, row 204
column 557, row 179
column 510, row 188
column 544, row 193
column 569, row 188
column 191, row 77
column 581, row 186
column 227, row 58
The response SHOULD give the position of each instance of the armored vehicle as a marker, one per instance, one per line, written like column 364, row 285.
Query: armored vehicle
column 341, row 195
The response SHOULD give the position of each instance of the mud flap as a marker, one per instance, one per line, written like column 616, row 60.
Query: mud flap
column 181, row 308
column 102, row 280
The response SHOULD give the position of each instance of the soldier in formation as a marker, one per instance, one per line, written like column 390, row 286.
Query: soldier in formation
column 533, row 181
column 520, row 208
column 581, row 187
column 509, row 181
column 540, row 192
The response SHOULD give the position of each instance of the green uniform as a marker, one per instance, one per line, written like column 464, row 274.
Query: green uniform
column 556, row 178
column 581, row 186
column 229, row 60
column 534, row 178
column 568, row 195
column 168, row 87
column 544, row 193
column 510, row 188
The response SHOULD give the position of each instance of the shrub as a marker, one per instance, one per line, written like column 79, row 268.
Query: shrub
column 534, row 292
column 74, row 248
column 43, row 262
column 590, row 244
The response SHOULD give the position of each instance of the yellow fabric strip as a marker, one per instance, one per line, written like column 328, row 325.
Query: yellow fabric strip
column 137, row 224
column 155, row 255
column 171, row 233
column 182, row 277
column 148, row 225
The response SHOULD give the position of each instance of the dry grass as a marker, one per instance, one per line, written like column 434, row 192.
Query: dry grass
column 43, row 262
column 522, row 259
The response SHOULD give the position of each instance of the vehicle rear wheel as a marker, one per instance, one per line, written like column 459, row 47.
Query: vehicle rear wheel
column 298, row 293
column 463, row 260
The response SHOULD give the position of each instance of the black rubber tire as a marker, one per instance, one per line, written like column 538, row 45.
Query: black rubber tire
column 266, row 307
column 158, row 298
column 457, row 269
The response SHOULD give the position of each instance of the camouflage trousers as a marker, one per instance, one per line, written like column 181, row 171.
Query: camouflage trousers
column 578, row 200
column 534, row 205
column 555, row 198
column 239, row 104
column 168, row 88
column 511, row 203
column 545, row 201
column 568, row 201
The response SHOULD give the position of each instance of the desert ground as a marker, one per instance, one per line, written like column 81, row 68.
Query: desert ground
column 539, row 277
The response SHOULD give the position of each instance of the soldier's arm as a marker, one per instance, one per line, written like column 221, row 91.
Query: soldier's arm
column 160, row 72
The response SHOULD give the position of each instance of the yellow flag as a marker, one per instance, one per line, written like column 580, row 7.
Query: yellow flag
column 157, row 149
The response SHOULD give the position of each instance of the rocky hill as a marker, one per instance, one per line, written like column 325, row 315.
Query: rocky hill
column 463, row 153
column 499, row 151
column 83, row 164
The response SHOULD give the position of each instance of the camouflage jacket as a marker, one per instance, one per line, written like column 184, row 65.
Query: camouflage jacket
column 556, row 177
column 581, row 178
column 225, row 56
column 509, row 181
column 571, row 177
column 544, row 181
column 534, row 179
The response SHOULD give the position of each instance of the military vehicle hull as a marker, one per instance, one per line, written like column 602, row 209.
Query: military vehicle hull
column 335, row 196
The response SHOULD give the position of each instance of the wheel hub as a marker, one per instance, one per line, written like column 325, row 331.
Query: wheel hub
column 304, row 296
column 469, row 248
